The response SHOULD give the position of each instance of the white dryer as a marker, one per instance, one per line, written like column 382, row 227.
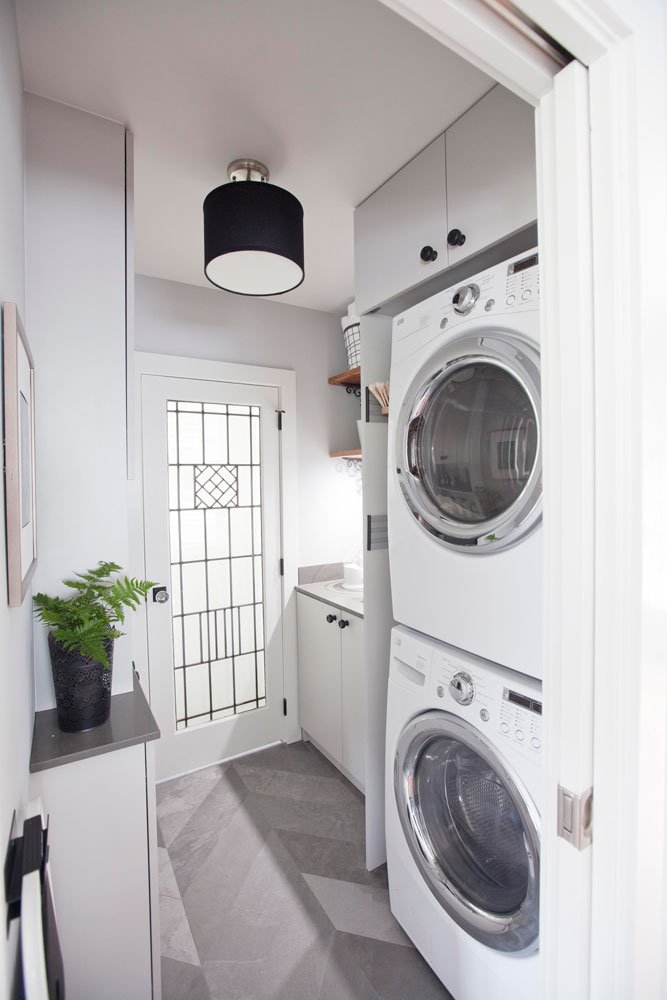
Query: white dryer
column 462, row 816
column 465, row 469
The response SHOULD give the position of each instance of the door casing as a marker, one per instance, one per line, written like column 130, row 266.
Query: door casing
column 602, row 214
column 285, row 382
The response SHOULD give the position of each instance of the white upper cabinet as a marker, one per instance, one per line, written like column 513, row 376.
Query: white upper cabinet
column 491, row 182
column 477, row 178
column 394, row 225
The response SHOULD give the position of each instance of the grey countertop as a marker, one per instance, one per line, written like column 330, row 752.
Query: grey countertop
column 331, row 593
column 130, row 722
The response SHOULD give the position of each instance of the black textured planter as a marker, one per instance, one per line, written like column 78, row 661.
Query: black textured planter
column 83, row 688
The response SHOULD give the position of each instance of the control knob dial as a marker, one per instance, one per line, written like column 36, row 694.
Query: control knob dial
column 462, row 688
column 465, row 298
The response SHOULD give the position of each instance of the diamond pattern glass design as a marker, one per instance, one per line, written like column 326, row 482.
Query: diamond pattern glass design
column 215, row 513
column 216, row 486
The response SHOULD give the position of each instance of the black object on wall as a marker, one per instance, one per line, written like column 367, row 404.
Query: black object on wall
column 27, row 858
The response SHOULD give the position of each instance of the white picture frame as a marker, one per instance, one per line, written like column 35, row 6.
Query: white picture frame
column 19, row 413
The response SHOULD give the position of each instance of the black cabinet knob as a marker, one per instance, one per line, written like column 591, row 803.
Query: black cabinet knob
column 343, row 623
column 331, row 618
column 455, row 238
column 428, row 254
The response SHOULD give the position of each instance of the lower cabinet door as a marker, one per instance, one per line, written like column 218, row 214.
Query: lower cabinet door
column 319, row 674
column 354, row 712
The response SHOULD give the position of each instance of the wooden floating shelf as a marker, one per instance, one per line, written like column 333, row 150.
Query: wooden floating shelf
column 351, row 377
column 349, row 453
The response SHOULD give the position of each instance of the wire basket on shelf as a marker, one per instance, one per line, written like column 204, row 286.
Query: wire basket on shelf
column 352, row 339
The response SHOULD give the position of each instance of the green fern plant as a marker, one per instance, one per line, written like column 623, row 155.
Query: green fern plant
column 87, row 621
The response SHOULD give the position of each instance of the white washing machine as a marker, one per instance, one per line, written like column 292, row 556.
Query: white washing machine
column 465, row 469
column 462, row 816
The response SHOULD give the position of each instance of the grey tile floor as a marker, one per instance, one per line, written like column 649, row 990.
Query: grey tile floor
column 263, row 890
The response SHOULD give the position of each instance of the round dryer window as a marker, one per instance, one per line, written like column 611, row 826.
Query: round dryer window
column 472, row 829
column 468, row 446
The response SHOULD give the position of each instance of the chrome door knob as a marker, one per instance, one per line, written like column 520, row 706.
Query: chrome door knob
column 462, row 688
column 464, row 299
column 160, row 595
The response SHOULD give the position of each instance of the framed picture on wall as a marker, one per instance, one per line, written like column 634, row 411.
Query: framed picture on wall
column 19, row 401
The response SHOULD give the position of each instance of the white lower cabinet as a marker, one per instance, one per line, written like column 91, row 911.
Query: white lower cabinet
column 331, row 682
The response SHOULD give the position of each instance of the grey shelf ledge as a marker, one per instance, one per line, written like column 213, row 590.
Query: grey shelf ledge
column 130, row 722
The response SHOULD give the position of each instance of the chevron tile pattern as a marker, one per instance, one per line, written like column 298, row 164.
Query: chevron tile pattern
column 264, row 892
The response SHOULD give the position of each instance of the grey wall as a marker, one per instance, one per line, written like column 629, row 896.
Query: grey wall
column 75, row 266
column 16, row 675
column 191, row 321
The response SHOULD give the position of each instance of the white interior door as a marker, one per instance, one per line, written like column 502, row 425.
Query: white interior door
column 212, row 519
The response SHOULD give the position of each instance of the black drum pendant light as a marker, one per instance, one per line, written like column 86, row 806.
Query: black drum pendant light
column 253, row 233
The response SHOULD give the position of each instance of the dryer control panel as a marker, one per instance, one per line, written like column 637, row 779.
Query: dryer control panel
column 512, row 287
column 521, row 719
column 522, row 282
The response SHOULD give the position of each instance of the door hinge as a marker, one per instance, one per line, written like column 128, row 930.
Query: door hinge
column 575, row 817
column 280, row 419
column 282, row 566
column 284, row 706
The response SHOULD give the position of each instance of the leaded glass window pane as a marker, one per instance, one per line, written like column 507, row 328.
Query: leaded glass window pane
column 215, row 509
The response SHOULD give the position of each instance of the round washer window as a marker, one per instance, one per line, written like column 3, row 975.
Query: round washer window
column 474, row 829
column 476, row 442
column 468, row 452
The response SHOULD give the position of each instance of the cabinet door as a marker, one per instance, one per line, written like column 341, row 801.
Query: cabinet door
column 319, row 674
column 390, row 228
column 491, row 182
column 354, row 711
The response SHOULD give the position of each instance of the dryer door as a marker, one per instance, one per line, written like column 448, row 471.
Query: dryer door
column 472, row 828
column 468, row 444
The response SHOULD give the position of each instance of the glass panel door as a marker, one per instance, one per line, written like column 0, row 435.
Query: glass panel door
column 212, row 525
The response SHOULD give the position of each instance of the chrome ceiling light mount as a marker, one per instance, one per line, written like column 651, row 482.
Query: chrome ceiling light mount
column 253, row 233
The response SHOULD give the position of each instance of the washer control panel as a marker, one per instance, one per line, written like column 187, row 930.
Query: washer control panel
column 488, row 701
column 521, row 719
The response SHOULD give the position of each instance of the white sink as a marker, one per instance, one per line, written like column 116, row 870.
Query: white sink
column 351, row 593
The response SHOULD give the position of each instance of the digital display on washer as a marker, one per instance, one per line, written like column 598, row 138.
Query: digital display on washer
column 523, row 701
column 523, row 265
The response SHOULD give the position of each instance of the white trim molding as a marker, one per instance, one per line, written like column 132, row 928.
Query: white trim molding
column 477, row 33
column 569, row 511
column 629, row 166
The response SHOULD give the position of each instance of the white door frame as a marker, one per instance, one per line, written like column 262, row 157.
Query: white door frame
column 603, row 215
column 285, row 381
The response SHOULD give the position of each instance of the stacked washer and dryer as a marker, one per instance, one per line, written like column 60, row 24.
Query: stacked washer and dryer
column 464, row 712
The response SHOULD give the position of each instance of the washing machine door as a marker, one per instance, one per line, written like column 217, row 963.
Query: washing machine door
column 472, row 828
column 468, row 446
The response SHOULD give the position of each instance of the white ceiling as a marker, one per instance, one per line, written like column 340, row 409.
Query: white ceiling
column 333, row 95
